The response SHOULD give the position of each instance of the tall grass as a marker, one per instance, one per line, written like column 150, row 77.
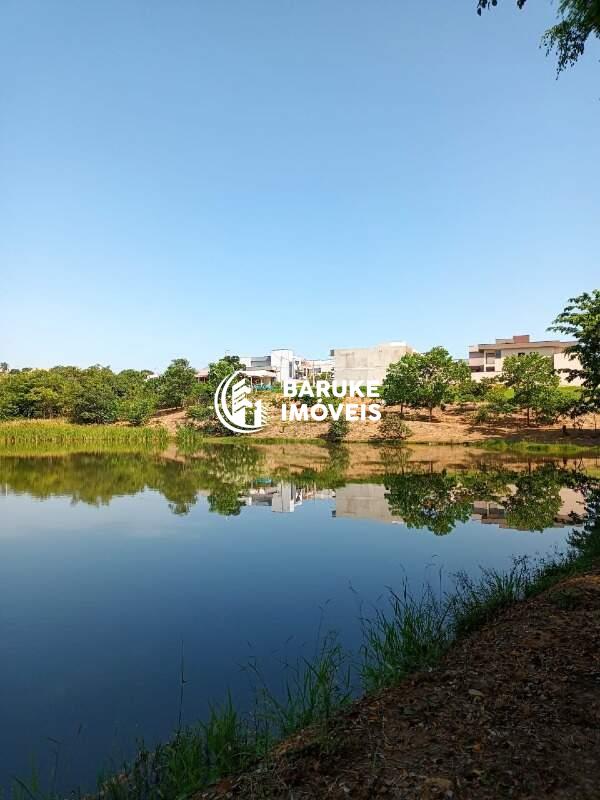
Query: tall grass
column 39, row 437
column 410, row 635
column 314, row 689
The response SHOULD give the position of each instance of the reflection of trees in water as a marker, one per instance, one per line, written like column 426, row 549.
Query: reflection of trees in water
column 438, row 500
column 223, row 472
column 435, row 501
column 422, row 497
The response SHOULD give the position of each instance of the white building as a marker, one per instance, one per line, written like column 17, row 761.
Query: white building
column 280, row 363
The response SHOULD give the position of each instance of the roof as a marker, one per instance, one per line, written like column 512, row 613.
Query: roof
column 260, row 373
column 508, row 345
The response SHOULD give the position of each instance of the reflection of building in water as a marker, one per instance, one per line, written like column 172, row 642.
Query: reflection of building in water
column 368, row 501
column 571, row 511
column 283, row 497
column 363, row 501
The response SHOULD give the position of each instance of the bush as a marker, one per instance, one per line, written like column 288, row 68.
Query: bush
column 338, row 430
column 137, row 410
column 392, row 426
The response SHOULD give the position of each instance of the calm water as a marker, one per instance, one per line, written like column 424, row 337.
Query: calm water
column 110, row 564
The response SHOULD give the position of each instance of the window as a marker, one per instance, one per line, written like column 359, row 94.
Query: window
column 498, row 353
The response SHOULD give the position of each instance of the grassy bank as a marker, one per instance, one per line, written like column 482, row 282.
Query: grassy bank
column 406, row 636
column 537, row 448
column 48, row 437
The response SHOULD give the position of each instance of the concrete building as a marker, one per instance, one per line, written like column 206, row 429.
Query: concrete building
column 367, row 363
column 486, row 360
column 281, row 363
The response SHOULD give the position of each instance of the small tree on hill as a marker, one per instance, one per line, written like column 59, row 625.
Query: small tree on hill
column 401, row 383
column 439, row 374
column 533, row 380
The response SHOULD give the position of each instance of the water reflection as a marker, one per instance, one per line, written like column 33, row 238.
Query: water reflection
column 108, row 562
column 385, row 484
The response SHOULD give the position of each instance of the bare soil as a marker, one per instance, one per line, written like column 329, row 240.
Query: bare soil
column 454, row 425
column 513, row 711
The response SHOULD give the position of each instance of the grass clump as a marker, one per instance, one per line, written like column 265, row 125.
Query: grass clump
column 313, row 691
column 475, row 602
column 411, row 635
column 195, row 757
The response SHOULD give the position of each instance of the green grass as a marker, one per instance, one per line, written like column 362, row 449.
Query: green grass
column 411, row 635
column 519, row 446
column 33, row 438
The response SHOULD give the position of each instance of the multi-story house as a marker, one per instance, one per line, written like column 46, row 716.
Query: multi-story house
column 486, row 360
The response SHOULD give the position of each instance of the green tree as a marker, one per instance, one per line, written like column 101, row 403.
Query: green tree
column 94, row 397
column 439, row 375
column 577, row 21
column 175, row 385
column 44, row 402
column 203, row 408
column 137, row 410
column 533, row 381
column 3, row 366
column 401, row 383
column 581, row 319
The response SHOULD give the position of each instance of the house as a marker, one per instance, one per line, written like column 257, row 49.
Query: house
column 364, row 364
column 486, row 360
column 279, row 363
column 311, row 368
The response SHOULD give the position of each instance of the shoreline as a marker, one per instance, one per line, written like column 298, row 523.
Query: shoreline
column 496, row 685
column 543, row 440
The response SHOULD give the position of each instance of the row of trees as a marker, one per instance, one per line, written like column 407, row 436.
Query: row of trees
column 96, row 394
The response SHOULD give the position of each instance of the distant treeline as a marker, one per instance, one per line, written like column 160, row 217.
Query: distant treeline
column 96, row 394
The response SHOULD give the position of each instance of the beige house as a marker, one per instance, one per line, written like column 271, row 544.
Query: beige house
column 486, row 360
column 367, row 363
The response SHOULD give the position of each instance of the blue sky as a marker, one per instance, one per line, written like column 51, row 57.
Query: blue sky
column 188, row 178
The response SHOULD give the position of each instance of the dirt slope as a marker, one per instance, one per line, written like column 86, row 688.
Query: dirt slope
column 450, row 426
column 512, row 712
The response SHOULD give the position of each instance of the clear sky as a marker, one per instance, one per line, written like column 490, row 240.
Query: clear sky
column 189, row 178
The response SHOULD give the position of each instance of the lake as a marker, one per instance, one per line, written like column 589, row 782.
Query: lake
column 118, row 570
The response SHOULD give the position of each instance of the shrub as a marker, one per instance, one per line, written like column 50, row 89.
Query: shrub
column 338, row 430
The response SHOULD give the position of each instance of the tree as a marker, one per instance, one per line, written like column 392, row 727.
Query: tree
column 578, row 20
column 3, row 366
column 44, row 402
column 137, row 410
column 401, row 382
column 438, row 375
column 203, row 410
column 176, row 383
column 533, row 380
column 581, row 319
column 424, row 380
column 94, row 399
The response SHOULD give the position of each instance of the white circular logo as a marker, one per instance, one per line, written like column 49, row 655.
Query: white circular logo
column 232, row 405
